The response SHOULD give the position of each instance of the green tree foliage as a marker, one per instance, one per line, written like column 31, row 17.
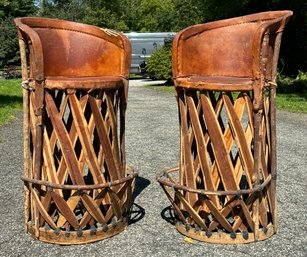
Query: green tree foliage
column 15, row 8
column 152, row 15
column 9, row 43
column 9, row 50
column 102, row 13
column 186, row 13
column 68, row 10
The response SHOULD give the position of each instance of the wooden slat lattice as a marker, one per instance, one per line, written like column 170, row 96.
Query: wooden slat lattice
column 217, row 155
column 80, row 147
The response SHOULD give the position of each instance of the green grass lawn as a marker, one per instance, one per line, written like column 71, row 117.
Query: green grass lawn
column 292, row 102
column 292, row 93
column 10, row 99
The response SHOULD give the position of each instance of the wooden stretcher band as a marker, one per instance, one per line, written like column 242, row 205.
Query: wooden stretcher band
column 80, row 187
column 217, row 87
column 164, row 181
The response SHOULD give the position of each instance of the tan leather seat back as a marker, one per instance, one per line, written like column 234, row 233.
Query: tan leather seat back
column 231, row 47
column 76, row 50
column 225, row 51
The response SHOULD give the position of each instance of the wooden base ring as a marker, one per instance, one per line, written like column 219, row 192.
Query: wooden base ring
column 225, row 238
column 77, row 237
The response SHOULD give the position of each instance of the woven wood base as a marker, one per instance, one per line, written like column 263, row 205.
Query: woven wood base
column 81, row 218
column 225, row 238
column 77, row 237
column 240, row 218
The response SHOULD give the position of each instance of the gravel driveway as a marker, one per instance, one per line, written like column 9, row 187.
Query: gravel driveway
column 153, row 145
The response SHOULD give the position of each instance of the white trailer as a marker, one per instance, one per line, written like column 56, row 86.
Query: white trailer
column 143, row 44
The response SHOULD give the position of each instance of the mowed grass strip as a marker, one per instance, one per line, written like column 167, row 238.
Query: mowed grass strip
column 292, row 102
column 10, row 99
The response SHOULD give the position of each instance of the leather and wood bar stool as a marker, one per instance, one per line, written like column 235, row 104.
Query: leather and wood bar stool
column 224, row 190
column 78, row 188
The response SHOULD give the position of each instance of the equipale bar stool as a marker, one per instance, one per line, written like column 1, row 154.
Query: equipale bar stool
column 78, row 188
column 224, row 190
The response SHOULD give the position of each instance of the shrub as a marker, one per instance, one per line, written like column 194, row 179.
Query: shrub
column 287, row 85
column 159, row 65
column 11, row 72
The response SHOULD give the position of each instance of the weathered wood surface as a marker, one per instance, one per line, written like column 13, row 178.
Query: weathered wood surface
column 226, row 99
column 75, row 172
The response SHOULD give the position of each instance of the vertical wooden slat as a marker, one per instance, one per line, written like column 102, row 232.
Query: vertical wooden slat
column 273, row 156
column 35, row 167
column 256, row 218
column 273, row 129
column 33, row 138
column 188, row 167
column 222, row 158
column 257, row 166
column 26, row 129
column 123, row 96
column 113, row 127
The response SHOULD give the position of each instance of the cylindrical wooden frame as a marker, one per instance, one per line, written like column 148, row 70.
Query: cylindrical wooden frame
column 224, row 190
column 68, row 203
column 78, row 188
column 228, row 215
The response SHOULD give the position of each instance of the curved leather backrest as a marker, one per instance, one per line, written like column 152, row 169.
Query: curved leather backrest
column 230, row 47
column 75, row 50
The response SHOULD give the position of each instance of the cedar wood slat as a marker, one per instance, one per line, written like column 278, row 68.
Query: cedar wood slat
column 42, row 210
column 218, row 143
column 64, row 140
column 201, row 146
column 65, row 210
column 104, row 140
column 85, row 138
column 188, row 168
column 92, row 208
column 239, row 134
column 191, row 211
